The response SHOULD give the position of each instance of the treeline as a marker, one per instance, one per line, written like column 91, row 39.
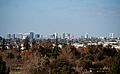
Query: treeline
column 46, row 58
column 71, row 60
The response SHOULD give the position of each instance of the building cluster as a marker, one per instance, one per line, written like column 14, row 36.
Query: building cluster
column 65, row 38
column 32, row 35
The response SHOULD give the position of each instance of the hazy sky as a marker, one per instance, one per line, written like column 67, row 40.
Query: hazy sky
column 95, row 17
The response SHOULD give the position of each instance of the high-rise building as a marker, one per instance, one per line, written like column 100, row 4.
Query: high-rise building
column 56, row 35
column 9, row 36
column 13, row 36
column 66, row 35
column 37, row 36
column 86, row 35
column 25, row 35
column 31, row 35
column 52, row 36
column 111, row 35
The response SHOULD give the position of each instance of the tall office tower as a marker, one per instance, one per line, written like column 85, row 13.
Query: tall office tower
column 37, row 36
column 41, row 37
column 52, row 36
column 63, row 35
column 9, row 36
column 86, row 35
column 25, row 35
column 31, row 35
column 13, row 36
column 56, row 35
column 111, row 35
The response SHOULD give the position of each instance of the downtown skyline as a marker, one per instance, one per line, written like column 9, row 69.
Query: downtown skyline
column 59, row 35
column 71, row 16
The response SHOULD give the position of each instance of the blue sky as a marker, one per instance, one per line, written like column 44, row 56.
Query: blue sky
column 95, row 17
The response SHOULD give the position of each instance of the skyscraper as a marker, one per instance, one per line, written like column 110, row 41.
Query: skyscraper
column 111, row 35
column 13, row 36
column 86, row 35
column 31, row 35
column 56, row 35
column 37, row 36
column 9, row 36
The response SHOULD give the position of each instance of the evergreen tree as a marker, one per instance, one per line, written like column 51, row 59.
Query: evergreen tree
column 2, row 66
column 3, row 44
column 26, row 43
column 115, row 69
column 0, row 38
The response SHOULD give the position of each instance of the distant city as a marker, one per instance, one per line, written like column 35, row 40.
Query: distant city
column 59, row 36
column 34, row 35
column 67, row 38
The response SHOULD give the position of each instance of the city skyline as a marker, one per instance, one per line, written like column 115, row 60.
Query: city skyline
column 73, row 34
column 71, row 16
column 53, row 35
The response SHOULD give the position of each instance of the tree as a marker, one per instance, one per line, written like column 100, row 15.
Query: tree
column 3, row 44
column 0, row 41
column 99, row 56
column 10, row 55
column 115, row 69
column 26, row 43
column 89, row 56
column 3, row 69
column 0, row 38
column 62, row 67
column 55, row 52
column 18, row 57
column 67, row 52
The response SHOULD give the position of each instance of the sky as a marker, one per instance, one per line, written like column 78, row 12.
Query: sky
column 95, row 17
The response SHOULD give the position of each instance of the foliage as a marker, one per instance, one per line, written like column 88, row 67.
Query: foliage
column 3, row 69
column 26, row 43
column 10, row 55
column 0, row 38
column 18, row 56
column 49, row 52
column 115, row 69
column 89, row 57
column 88, row 64
column 99, row 56
column 55, row 52
column 63, row 67
column 3, row 44
column 49, row 59
column 39, row 71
